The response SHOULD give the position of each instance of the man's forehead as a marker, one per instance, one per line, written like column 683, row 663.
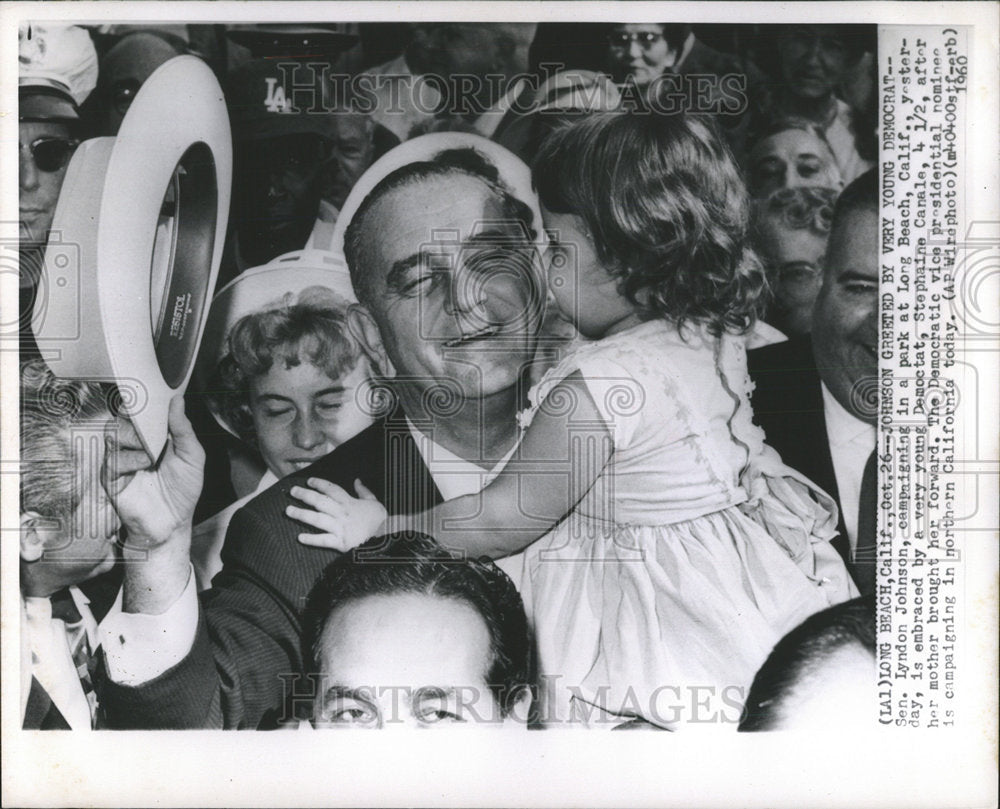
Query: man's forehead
column 855, row 231
column 424, row 214
column 853, row 243
column 410, row 638
column 455, row 195
column 58, row 128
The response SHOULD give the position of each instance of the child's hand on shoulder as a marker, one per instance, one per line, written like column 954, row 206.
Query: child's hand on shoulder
column 344, row 522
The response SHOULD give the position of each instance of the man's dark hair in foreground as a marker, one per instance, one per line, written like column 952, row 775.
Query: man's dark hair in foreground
column 411, row 562
column 824, row 659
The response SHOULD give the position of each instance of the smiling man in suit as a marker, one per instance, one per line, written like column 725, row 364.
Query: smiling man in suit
column 450, row 325
column 815, row 398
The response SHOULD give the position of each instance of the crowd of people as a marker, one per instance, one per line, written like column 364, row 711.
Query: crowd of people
column 536, row 387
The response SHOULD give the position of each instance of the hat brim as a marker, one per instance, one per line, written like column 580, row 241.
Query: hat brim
column 45, row 106
column 143, row 328
column 513, row 171
column 293, row 44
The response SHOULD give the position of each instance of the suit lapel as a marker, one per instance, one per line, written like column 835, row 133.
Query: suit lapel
column 826, row 476
column 408, row 486
column 789, row 406
column 818, row 457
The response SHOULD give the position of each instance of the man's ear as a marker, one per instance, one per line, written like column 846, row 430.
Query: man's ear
column 32, row 542
column 364, row 329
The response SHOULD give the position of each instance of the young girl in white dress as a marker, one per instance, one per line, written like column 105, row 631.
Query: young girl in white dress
column 670, row 548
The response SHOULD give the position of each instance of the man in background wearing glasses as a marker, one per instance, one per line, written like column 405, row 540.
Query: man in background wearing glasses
column 58, row 70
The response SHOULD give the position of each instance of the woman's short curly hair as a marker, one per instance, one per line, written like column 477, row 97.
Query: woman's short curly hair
column 310, row 328
column 666, row 209
column 800, row 208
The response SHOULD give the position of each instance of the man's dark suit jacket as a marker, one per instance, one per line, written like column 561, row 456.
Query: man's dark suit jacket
column 788, row 405
column 41, row 713
column 247, row 650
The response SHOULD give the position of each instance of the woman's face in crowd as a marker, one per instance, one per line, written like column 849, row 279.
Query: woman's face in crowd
column 639, row 51
column 794, row 259
column 300, row 413
column 813, row 60
column 791, row 159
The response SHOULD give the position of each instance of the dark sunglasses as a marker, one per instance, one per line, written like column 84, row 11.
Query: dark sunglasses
column 51, row 154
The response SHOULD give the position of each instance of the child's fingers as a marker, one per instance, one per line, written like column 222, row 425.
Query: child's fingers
column 317, row 519
column 320, row 502
column 322, row 541
column 364, row 493
column 331, row 490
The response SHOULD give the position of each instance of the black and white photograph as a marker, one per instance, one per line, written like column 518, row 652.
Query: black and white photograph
column 507, row 374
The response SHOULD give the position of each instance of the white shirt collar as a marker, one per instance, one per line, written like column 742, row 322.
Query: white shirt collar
column 39, row 609
column 843, row 427
column 454, row 476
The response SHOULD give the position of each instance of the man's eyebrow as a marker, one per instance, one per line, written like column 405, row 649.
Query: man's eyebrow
column 497, row 234
column 434, row 692
column 399, row 269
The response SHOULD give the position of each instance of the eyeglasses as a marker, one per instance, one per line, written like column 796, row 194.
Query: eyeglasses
column 51, row 154
column 646, row 39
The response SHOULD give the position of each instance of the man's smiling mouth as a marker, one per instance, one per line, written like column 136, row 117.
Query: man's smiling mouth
column 483, row 333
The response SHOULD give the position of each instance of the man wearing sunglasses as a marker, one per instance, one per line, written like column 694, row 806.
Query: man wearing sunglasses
column 58, row 70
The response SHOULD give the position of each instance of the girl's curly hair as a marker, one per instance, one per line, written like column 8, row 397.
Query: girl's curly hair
column 666, row 209
column 310, row 328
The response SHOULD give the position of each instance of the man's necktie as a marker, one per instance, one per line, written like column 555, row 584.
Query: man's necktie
column 863, row 568
column 65, row 610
